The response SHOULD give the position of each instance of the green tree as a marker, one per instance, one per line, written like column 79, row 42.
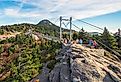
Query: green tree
column 83, row 35
column 31, row 57
column 1, row 31
column 75, row 36
column 109, row 39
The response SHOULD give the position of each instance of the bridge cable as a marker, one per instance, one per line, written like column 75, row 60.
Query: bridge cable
column 90, row 24
column 56, row 20
column 76, row 26
column 65, row 24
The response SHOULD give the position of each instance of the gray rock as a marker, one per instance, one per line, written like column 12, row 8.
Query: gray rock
column 65, row 73
column 55, row 74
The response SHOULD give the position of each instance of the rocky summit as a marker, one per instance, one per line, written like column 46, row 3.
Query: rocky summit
column 81, row 64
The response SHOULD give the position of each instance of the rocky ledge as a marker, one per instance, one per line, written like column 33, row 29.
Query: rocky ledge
column 80, row 64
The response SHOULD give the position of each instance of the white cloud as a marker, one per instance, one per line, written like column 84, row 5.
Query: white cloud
column 10, row 12
column 88, row 8
column 75, row 8
column 17, row 14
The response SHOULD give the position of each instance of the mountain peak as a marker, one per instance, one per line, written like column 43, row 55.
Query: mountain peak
column 44, row 22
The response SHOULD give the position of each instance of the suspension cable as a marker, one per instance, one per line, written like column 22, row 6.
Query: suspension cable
column 76, row 26
column 90, row 24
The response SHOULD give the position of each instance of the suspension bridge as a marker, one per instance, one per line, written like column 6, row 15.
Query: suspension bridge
column 70, row 21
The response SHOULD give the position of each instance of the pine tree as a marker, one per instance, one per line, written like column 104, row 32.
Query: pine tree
column 108, row 39
column 83, row 35
column 75, row 36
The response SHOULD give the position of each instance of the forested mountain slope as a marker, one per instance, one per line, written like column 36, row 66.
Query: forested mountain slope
column 23, row 55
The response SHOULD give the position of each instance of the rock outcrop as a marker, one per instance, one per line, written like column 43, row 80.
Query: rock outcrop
column 80, row 64
column 94, row 65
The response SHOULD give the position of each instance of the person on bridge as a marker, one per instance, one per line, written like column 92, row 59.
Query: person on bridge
column 80, row 41
column 65, row 40
column 90, row 42
column 77, row 41
column 95, row 44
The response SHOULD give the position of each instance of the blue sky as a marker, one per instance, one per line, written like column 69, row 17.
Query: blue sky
column 103, row 13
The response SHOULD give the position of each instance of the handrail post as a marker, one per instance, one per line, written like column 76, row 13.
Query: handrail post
column 60, row 28
column 70, row 27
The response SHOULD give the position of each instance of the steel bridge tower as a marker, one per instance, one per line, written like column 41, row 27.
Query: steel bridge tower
column 70, row 21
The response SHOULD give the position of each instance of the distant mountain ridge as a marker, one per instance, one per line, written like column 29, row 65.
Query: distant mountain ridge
column 44, row 26
column 47, row 24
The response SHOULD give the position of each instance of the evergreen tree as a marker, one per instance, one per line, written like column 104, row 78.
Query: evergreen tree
column 83, row 35
column 108, row 39
column 1, row 31
column 75, row 36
